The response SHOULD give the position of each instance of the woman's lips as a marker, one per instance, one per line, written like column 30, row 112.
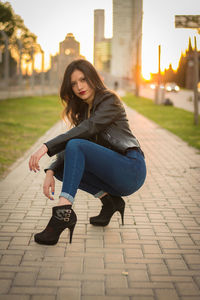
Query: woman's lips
column 82, row 93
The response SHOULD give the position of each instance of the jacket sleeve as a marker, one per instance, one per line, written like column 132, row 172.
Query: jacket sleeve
column 106, row 112
column 57, row 163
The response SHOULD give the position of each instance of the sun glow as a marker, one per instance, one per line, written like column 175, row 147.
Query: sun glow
column 27, row 65
column 146, row 75
column 159, row 29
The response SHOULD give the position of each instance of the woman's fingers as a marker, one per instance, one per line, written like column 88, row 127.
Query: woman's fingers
column 46, row 191
column 33, row 163
column 49, row 185
column 34, row 159
column 52, row 188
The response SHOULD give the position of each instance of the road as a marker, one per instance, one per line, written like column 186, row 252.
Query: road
column 182, row 99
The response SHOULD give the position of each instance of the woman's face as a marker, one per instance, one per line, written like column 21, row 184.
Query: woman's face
column 81, row 88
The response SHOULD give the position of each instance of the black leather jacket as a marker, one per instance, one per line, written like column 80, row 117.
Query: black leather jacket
column 107, row 126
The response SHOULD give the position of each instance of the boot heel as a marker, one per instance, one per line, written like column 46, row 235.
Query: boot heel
column 121, row 211
column 71, row 230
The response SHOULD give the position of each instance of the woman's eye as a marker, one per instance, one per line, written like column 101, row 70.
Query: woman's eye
column 73, row 84
column 83, row 79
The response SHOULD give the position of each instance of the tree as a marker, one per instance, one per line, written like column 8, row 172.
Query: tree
column 181, row 71
column 13, row 26
column 7, row 23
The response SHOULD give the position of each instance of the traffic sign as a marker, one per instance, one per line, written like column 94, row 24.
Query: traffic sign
column 187, row 21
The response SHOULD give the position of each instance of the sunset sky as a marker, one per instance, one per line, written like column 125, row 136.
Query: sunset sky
column 52, row 20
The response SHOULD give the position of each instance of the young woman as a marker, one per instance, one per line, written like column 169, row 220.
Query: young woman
column 99, row 155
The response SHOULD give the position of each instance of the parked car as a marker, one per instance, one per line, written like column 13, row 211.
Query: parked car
column 172, row 87
column 154, row 85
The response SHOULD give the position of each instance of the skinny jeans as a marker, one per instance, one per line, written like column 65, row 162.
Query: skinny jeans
column 96, row 170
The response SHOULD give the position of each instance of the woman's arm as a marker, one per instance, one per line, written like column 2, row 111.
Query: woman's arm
column 105, row 113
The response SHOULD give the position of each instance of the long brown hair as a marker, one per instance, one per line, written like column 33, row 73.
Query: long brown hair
column 74, row 107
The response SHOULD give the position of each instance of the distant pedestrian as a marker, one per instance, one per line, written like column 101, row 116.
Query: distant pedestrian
column 99, row 155
column 116, row 85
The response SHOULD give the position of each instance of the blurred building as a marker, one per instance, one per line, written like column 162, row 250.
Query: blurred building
column 103, row 55
column 127, row 38
column 99, row 22
column 102, row 46
column 69, row 50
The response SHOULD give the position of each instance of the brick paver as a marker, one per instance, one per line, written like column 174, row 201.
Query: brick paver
column 154, row 256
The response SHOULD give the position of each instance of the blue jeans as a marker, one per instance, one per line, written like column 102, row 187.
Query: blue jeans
column 96, row 170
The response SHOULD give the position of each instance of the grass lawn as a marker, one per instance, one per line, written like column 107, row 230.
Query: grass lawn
column 176, row 120
column 22, row 122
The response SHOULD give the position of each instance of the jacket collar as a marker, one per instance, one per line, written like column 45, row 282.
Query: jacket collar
column 98, row 98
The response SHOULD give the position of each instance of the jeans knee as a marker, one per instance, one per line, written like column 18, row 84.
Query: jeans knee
column 74, row 143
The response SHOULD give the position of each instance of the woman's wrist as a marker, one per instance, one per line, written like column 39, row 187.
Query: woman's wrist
column 50, row 172
column 44, row 148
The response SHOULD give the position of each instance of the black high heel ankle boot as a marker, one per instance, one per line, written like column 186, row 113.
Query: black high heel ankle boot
column 62, row 217
column 111, row 204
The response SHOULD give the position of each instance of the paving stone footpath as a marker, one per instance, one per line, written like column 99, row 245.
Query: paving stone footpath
column 154, row 256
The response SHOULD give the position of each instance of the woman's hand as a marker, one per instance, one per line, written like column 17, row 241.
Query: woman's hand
column 49, row 183
column 33, row 162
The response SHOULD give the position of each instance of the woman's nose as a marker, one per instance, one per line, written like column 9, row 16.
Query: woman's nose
column 79, row 85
